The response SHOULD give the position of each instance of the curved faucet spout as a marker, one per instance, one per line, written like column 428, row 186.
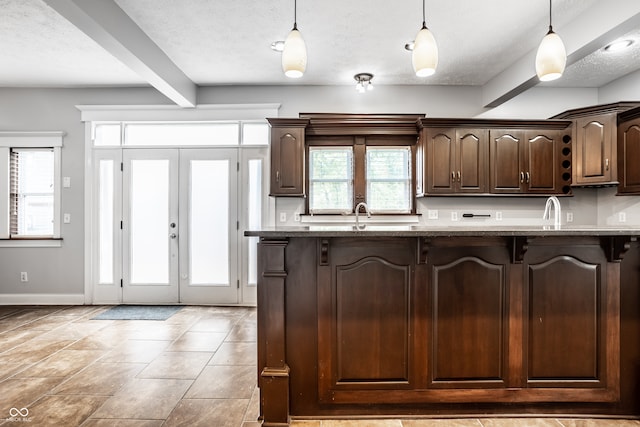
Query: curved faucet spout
column 557, row 211
column 366, row 209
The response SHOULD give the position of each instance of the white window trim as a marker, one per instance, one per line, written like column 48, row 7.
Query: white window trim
column 46, row 139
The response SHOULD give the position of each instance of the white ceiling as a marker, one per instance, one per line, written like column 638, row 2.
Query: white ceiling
column 177, row 45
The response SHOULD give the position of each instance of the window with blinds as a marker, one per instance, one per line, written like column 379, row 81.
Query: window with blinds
column 31, row 207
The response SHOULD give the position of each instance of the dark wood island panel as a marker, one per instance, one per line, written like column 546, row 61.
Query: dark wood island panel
column 378, row 325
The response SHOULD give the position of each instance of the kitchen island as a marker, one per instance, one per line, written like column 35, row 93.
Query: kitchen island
column 416, row 321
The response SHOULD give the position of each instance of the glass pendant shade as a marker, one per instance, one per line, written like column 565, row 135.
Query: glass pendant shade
column 551, row 57
column 294, row 55
column 425, row 53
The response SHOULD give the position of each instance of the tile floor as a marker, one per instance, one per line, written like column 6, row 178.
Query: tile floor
column 198, row 368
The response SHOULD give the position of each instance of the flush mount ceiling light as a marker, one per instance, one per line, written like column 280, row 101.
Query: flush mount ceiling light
column 552, row 56
column 618, row 45
column 363, row 82
column 278, row 45
column 424, row 55
column 294, row 52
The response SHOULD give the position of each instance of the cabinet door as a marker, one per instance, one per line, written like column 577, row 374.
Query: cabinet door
column 287, row 162
column 471, row 160
column 541, row 161
column 595, row 161
column 441, row 170
column 628, row 155
column 507, row 169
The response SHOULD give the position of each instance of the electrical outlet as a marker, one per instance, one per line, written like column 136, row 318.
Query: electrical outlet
column 622, row 216
column 432, row 214
column 23, row 276
column 283, row 217
column 569, row 216
column 296, row 217
column 498, row 216
column 454, row 216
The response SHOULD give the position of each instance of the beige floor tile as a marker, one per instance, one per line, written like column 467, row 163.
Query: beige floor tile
column 253, row 409
column 32, row 351
column 442, row 423
column 148, row 399
column 361, row 423
column 243, row 333
column 598, row 423
column 305, row 423
column 65, row 411
column 100, row 379
column 224, row 382
column 198, row 341
column 11, row 339
column 214, row 324
column 520, row 422
column 180, row 365
column 21, row 393
column 10, row 369
column 136, row 351
column 207, row 412
column 62, row 364
column 235, row 353
column 122, row 423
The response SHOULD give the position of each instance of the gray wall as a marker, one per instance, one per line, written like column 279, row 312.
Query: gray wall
column 60, row 271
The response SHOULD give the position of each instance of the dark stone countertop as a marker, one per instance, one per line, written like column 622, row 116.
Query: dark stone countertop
column 422, row 231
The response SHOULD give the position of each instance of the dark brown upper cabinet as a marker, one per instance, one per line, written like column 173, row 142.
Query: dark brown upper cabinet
column 595, row 147
column 476, row 156
column 456, row 160
column 287, row 157
column 629, row 154
column 534, row 161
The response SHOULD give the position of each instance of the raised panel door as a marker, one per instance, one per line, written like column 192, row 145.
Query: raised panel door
column 287, row 161
column 507, row 172
column 441, row 161
column 594, row 162
column 471, row 160
column 628, row 157
column 541, row 161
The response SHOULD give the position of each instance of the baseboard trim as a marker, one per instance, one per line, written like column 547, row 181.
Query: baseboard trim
column 42, row 299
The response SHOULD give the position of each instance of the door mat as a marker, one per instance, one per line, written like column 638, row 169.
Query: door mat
column 138, row 312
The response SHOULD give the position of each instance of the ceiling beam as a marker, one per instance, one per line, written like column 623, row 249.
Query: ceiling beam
column 106, row 23
column 600, row 24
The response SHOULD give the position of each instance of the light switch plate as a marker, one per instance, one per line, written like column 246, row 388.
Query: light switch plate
column 66, row 181
column 432, row 214
column 66, row 218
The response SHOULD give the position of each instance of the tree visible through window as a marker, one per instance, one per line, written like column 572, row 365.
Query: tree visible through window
column 385, row 180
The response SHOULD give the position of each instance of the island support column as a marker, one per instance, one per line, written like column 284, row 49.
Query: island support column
column 272, row 367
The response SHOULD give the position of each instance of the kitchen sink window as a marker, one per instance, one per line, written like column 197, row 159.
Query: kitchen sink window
column 330, row 179
column 340, row 177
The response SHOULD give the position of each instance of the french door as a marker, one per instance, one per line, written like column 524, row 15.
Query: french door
column 168, row 224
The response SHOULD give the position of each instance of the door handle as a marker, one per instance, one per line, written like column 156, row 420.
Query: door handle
column 173, row 235
column 606, row 164
column 527, row 177
column 458, row 176
column 522, row 177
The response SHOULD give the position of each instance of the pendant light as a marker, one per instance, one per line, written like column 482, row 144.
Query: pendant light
column 294, row 53
column 424, row 56
column 552, row 56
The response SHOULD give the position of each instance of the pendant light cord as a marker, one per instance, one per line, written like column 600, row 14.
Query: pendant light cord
column 550, row 26
column 295, row 14
column 424, row 20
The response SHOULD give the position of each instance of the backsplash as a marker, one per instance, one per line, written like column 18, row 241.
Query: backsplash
column 588, row 206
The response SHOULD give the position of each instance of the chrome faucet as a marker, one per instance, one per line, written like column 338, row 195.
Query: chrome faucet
column 366, row 209
column 553, row 200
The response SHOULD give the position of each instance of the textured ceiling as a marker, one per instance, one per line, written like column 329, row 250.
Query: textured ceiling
column 226, row 42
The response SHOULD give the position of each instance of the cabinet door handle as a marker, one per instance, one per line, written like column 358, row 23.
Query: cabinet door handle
column 527, row 177
column 453, row 176
column 458, row 175
column 277, row 176
column 606, row 164
column 522, row 177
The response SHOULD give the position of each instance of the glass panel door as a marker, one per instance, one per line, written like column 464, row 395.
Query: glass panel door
column 150, row 232
column 208, row 226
